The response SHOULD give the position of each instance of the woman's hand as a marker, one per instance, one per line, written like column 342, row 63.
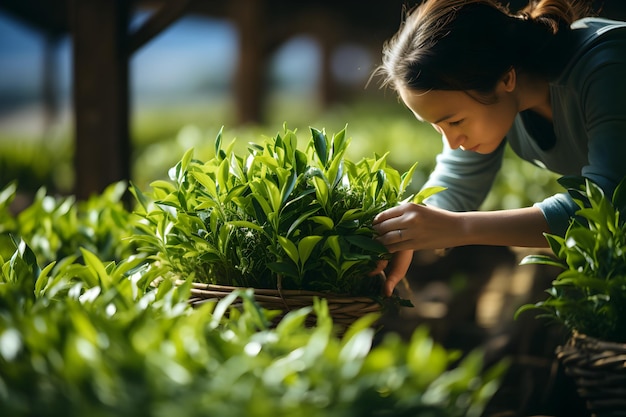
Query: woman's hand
column 404, row 229
column 415, row 227
column 410, row 227
column 397, row 268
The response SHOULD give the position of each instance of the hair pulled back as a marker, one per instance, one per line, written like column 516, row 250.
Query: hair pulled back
column 471, row 44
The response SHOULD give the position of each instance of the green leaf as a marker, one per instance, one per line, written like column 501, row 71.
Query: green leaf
column 406, row 178
column 43, row 278
column 8, row 193
column 581, row 280
column 96, row 266
column 324, row 221
column 351, row 215
column 306, row 246
column 301, row 218
column 288, row 188
column 163, row 185
column 572, row 182
column 321, row 145
column 333, row 243
column 541, row 259
column 337, row 173
column 222, row 307
column 246, row 224
column 356, row 346
column 290, row 249
column 259, row 197
column 184, row 162
column 556, row 243
column 273, row 193
column 367, row 243
column 293, row 321
column 222, row 176
column 206, row 181
column 321, row 191
column 381, row 178
column 283, row 268
column 594, row 192
column 218, row 141
column 339, row 142
column 427, row 192
column 619, row 197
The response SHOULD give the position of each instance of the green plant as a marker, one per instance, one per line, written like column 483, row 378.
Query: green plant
column 589, row 296
column 278, row 217
column 59, row 226
column 95, row 339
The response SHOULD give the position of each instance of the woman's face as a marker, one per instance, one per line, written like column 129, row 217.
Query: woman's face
column 463, row 121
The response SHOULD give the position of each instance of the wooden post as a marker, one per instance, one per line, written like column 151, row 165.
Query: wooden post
column 102, row 144
column 251, row 66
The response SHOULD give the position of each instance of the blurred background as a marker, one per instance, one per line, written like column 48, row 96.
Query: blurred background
column 96, row 91
column 96, row 86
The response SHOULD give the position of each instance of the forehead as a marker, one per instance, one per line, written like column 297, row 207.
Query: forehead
column 434, row 105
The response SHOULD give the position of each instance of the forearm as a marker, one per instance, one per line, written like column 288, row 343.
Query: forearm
column 417, row 227
column 522, row 227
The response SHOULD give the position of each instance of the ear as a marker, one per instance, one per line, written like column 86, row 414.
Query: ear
column 509, row 80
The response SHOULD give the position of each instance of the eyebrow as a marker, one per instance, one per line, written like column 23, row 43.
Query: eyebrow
column 446, row 117
column 441, row 119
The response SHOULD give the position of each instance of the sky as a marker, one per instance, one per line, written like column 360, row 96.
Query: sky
column 195, row 54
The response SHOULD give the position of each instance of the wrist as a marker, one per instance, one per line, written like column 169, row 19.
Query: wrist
column 465, row 225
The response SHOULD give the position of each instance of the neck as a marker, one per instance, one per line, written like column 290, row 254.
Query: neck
column 534, row 94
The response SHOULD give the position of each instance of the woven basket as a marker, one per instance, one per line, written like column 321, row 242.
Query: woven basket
column 599, row 370
column 344, row 310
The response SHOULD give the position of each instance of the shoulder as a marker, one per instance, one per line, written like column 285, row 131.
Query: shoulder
column 590, row 29
column 593, row 32
column 597, row 42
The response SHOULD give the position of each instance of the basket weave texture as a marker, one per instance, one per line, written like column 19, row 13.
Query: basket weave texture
column 599, row 370
column 343, row 309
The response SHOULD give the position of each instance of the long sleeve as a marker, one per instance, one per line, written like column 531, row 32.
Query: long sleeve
column 597, row 82
column 467, row 176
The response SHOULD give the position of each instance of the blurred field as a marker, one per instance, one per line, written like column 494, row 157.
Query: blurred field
column 161, row 134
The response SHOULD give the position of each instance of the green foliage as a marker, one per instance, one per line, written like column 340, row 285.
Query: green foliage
column 97, row 339
column 56, row 227
column 34, row 162
column 590, row 294
column 161, row 134
column 278, row 217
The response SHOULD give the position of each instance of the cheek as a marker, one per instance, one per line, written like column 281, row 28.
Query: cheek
column 496, row 124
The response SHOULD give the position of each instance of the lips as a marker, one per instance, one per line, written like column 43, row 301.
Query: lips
column 473, row 149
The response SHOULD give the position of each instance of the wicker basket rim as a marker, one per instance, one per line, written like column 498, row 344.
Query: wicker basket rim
column 597, row 343
column 276, row 292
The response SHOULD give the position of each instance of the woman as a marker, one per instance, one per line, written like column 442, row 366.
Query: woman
column 548, row 82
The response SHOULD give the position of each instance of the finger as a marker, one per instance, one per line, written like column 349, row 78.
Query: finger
column 387, row 214
column 394, row 239
column 398, row 267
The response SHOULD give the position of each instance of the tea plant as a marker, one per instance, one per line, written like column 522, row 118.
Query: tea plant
column 278, row 217
column 589, row 296
column 97, row 339
column 56, row 227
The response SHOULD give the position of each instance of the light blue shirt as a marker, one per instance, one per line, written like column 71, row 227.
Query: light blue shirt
column 589, row 117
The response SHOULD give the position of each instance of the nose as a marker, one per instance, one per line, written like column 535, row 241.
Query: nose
column 454, row 140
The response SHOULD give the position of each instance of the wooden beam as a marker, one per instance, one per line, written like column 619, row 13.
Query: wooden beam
column 167, row 14
column 249, row 18
column 100, row 90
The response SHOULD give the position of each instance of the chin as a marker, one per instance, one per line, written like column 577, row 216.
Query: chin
column 489, row 147
column 484, row 149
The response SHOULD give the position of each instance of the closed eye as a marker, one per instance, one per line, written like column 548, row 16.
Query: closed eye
column 456, row 122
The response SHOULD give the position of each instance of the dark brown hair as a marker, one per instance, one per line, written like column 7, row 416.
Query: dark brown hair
column 470, row 44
